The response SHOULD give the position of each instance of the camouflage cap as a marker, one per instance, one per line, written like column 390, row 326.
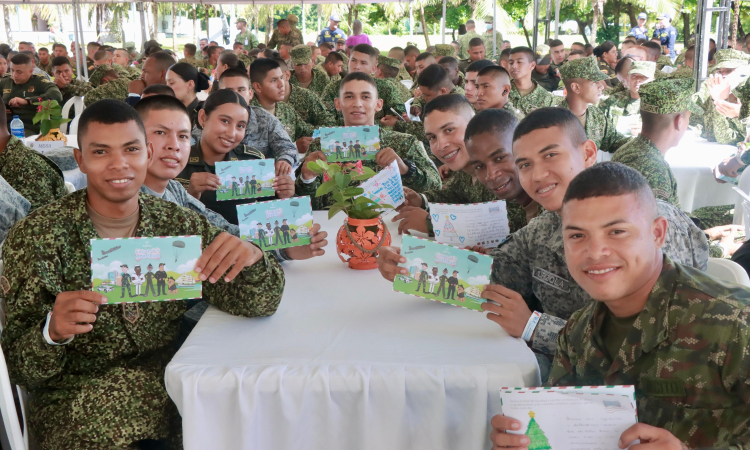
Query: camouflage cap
column 130, row 45
column 411, row 43
column 645, row 68
column 96, row 75
column 241, row 19
column 392, row 62
column 444, row 50
column 301, row 54
column 582, row 68
column 668, row 96
column 292, row 18
column 340, row 41
column 488, row 19
column 730, row 59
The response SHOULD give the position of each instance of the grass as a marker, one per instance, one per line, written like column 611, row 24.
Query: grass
column 183, row 293
column 411, row 288
column 301, row 240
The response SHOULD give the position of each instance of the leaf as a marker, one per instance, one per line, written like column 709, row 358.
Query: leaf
column 348, row 180
column 44, row 128
column 340, row 180
column 313, row 165
column 353, row 191
column 325, row 188
column 334, row 168
column 338, row 197
column 333, row 210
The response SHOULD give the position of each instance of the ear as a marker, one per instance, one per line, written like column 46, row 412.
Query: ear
column 506, row 90
column 590, row 153
column 679, row 121
column 150, row 150
column 78, row 155
column 379, row 105
column 659, row 230
column 202, row 117
column 255, row 87
column 337, row 103
column 443, row 91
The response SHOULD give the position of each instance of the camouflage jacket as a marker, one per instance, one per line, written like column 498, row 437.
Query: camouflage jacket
column 742, row 92
column 76, row 88
column 248, row 39
column 719, row 128
column 425, row 177
column 600, row 129
column 642, row 155
column 463, row 43
column 317, row 85
column 13, row 207
column 662, row 61
column 390, row 95
column 489, row 44
column 105, row 389
column 115, row 89
column 46, row 67
column 129, row 72
column 403, row 74
column 686, row 355
column 293, row 38
column 310, row 108
column 538, row 98
column 32, row 174
column 197, row 63
column 532, row 262
column 620, row 99
column 293, row 124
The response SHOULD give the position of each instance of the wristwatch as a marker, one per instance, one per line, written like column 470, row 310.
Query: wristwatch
column 412, row 168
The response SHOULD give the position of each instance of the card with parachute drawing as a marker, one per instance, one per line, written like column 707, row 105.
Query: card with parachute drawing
column 146, row 269
column 276, row 224
column 349, row 143
column 443, row 273
column 245, row 179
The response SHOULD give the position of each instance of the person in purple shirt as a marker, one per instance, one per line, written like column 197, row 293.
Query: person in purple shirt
column 357, row 37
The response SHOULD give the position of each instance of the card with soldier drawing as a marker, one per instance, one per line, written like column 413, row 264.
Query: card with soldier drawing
column 349, row 143
column 443, row 273
column 276, row 224
column 245, row 179
column 144, row 269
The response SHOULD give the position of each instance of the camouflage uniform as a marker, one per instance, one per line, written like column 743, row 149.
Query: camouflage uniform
column 489, row 42
column 115, row 89
column 416, row 129
column 424, row 178
column 386, row 91
column 443, row 50
column 293, row 38
column 531, row 262
column 13, row 207
column 197, row 63
column 600, row 129
column 248, row 40
column 310, row 108
column 105, row 389
column 686, row 354
column 76, row 88
column 32, row 174
column 46, row 67
column 663, row 61
column 620, row 99
column 463, row 43
column 36, row 89
column 293, row 124
column 302, row 54
column 134, row 73
column 538, row 98
column 642, row 155
column 403, row 74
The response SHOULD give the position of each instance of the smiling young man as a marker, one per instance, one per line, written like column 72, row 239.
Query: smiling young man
column 628, row 99
column 95, row 371
column 677, row 334
column 525, row 94
column 470, row 80
column 358, row 103
column 493, row 90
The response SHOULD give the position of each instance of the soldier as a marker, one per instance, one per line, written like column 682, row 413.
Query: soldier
column 125, row 281
column 493, row 90
column 389, row 69
column 64, row 79
column 490, row 38
column 45, row 62
column 666, row 34
column 154, row 71
column 22, row 89
column 332, row 66
column 557, row 55
column 628, row 100
column 304, row 75
column 442, row 50
column 286, row 32
column 666, row 109
column 245, row 36
column 107, row 85
column 544, row 75
column 332, row 33
column 59, row 50
column 121, row 58
column 525, row 94
column 470, row 78
column 364, row 59
column 463, row 41
column 450, row 64
column 411, row 52
column 189, row 57
column 358, row 102
column 583, row 87
column 308, row 105
column 476, row 53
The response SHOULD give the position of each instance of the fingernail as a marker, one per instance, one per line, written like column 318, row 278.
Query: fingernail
column 203, row 278
column 620, row 444
column 524, row 440
column 516, row 426
column 212, row 280
column 197, row 269
column 403, row 260
column 226, row 279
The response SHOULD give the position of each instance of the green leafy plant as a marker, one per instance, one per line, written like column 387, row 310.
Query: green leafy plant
column 49, row 113
column 337, row 180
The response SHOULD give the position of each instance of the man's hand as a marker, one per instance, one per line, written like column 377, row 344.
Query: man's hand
column 718, row 87
column 415, row 110
column 501, row 439
column 17, row 101
column 282, row 168
column 412, row 218
column 727, row 109
column 652, row 438
column 226, row 251
column 284, row 186
column 724, row 231
column 303, row 144
column 306, row 173
column 388, row 121
column 730, row 167
column 510, row 312
column 74, row 313
column 411, row 198
column 201, row 182
column 61, row 82
column 386, row 156
column 444, row 172
column 417, row 92
column 388, row 259
column 136, row 87
column 317, row 242
column 406, row 117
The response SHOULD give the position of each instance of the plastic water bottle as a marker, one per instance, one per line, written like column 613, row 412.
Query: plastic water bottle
column 16, row 128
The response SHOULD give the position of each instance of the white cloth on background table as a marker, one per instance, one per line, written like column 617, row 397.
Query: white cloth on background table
column 345, row 363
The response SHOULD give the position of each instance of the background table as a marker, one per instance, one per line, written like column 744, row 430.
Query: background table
column 345, row 363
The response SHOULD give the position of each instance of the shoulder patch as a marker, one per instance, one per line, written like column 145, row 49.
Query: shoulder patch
column 194, row 159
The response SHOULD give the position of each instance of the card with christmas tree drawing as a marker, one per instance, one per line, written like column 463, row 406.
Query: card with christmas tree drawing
column 483, row 224
column 562, row 420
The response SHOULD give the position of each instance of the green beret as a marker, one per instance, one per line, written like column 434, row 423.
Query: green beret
column 392, row 62
column 668, row 96
column 730, row 59
column 582, row 68
column 301, row 54
column 96, row 75
column 292, row 18
column 444, row 50
column 645, row 68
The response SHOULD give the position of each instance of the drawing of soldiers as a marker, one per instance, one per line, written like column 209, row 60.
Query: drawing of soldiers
column 253, row 186
column 285, row 230
column 269, row 233
column 423, row 279
column 443, row 281
column 149, row 277
column 125, row 283
column 235, row 191
column 357, row 149
column 277, row 233
column 452, row 283
column 433, row 279
column 261, row 235
column 161, row 280
column 138, row 279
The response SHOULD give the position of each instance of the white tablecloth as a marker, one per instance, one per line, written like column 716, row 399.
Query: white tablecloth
column 345, row 363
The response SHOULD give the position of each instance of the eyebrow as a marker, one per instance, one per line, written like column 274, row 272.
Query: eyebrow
column 164, row 127
column 104, row 145
column 606, row 225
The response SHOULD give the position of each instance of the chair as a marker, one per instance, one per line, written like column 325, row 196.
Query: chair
column 407, row 83
column 70, row 187
column 739, row 207
column 727, row 270
column 72, row 126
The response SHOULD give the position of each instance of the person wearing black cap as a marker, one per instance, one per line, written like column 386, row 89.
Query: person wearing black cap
column 666, row 33
column 543, row 76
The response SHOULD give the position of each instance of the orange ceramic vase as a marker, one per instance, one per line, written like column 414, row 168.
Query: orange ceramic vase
column 358, row 241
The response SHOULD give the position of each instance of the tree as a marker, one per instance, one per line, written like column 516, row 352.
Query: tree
column 518, row 10
column 155, row 14
column 6, row 19
column 537, row 439
column 174, row 26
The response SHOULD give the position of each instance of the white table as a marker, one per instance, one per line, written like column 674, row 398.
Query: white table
column 345, row 363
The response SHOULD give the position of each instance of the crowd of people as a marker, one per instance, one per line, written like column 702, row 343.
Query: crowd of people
column 603, row 274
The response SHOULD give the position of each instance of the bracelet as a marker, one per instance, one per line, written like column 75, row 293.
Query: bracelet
column 531, row 326
column 45, row 333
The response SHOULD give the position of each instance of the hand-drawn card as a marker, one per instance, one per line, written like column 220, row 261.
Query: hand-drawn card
column 245, row 179
column 385, row 187
column 146, row 269
column 443, row 273
column 553, row 419
column 483, row 224
column 350, row 143
column 276, row 224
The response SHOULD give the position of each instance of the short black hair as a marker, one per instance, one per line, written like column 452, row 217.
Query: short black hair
column 160, row 102
column 57, row 44
column 212, row 49
column 410, row 49
column 505, row 54
column 622, row 63
column 555, row 43
column 543, row 118
column 60, row 61
column 333, row 57
column 282, row 64
column 100, row 54
column 576, row 52
column 21, row 59
column 358, row 76
column 43, row 49
column 92, row 45
column 652, row 48
column 494, row 71
column 326, row 45
column 491, row 121
column 449, row 60
column 477, row 66
column 191, row 49
column 476, row 42
column 388, row 71
column 157, row 90
column 434, row 76
column 448, row 102
column 367, row 49
column 108, row 112
column 260, row 68
column 234, row 73
column 423, row 56
column 580, row 44
column 530, row 55
column 400, row 51
column 609, row 179
column 163, row 59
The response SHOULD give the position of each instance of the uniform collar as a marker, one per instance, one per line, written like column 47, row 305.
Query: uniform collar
column 193, row 106
column 196, row 155
column 86, row 228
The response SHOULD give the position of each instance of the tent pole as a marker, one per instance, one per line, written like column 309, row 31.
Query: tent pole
column 76, row 51
column 442, row 28
column 304, row 26
column 557, row 18
column 143, row 25
column 411, row 19
column 494, row 28
column 80, row 27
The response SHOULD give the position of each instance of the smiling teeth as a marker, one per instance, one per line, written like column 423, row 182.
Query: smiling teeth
column 169, row 160
column 119, row 181
column 547, row 189
column 599, row 272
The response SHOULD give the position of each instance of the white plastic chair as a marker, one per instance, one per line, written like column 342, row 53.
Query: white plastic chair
column 727, row 270
column 11, row 421
column 72, row 126
column 70, row 187
column 407, row 83
column 739, row 207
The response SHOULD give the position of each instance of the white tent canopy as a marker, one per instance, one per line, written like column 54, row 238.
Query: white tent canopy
column 212, row 2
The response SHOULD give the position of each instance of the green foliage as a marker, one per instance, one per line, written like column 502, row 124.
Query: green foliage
column 49, row 112
column 337, row 182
